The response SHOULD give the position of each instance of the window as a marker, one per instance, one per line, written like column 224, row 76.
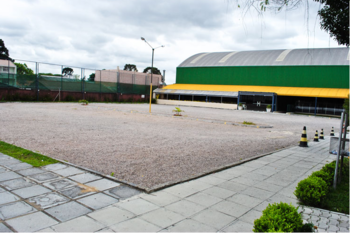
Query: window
column 5, row 69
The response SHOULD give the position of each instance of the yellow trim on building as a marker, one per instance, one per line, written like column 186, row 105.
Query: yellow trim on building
column 281, row 91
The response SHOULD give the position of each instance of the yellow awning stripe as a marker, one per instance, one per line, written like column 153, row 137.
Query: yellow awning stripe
column 341, row 93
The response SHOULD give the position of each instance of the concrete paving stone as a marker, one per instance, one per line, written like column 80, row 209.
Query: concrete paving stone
column 322, row 229
column 98, row 201
column 160, row 198
column 239, row 226
column 281, row 198
column 285, row 175
column 245, row 200
column 335, row 216
column 255, row 164
column 189, row 225
column 315, row 219
column 85, row 177
column 279, row 164
column 49, row 229
column 333, row 222
column 111, row 215
column 135, row 225
column 278, row 181
column 2, row 190
column 68, row 211
column 213, row 218
column 31, row 191
column 2, row 169
column 4, row 228
column 17, row 183
column 77, row 192
column 344, row 224
column 219, row 192
column 267, row 170
column 262, row 206
column 341, row 229
column 241, row 169
column 55, row 166
column 7, row 197
column 305, row 216
column 44, row 177
column 268, row 186
column 137, row 206
column 230, row 208
column 203, row 199
column 258, row 193
column 198, row 185
column 305, row 164
column 251, row 216
column 60, row 184
column 48, row 200
column 319, row 224
column 211, row 180
column 68, row 171
column 9, row 161
column 226, row 175
column 333, row 229
column 258, row 177
column 123, row 192
column 162, row 217
column 9, row 176
column 15, row 209
column 244, row 181
column 185, row 208
column 307, row 210
column 233, row 186
column 288, row 192
column 103, row 184
column 31, row 222
column 105, row 230
column 18, row 166
column 81, row 224
column 181, row 190
column 322, row 219
column 31, row 171
column 344, row 217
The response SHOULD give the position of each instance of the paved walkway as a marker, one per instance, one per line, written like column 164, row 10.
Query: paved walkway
column 61, row 198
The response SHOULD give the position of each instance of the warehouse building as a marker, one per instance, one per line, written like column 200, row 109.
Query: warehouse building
column 313, row 81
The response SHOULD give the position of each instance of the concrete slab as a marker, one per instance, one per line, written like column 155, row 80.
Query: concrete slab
column 245, row 200
column 262, row 206
column 213, row 218
column 190, row 225
column 251, row 216
column 181, row 190
column 239, row 226
column 60, row 184
column 256, row 177
column 81, row 224
column 77, row 192
column 44, row 177
column 204, row 199
column 268, row 186
column 31, row 191
column 31, row 222
column 7, row 197
column 31, row 171
column 15, row 209
column 55, row 166
column 122, row 192
column 244, row 181
column 219, row 192
column 258, row 193
column 233, row 186
column 111, row 215
column 69, row 171
column 2, row 190
column 2, row 170
column 97, row 201
column 85, row 177
column 231, row 208
column 4, row 228
column 137, row 206
column 17, row 183
column 135, row 225
column 9, row 161
column 103, row 184
column 267, row 170
column 281, row 198
column 185, row 208
column 18, row 166
column 68, row 211
column 160, row 198
column 162, row 217
column 226, row 175
column 9, row 176
column 48, row 200
column 211, row 180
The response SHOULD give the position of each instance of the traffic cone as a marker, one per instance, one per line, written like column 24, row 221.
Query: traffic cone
column 321, row 134
column 316, row 137
column 332, row 131
column 303, row 140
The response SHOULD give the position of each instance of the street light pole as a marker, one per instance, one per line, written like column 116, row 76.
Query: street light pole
column 150, row 90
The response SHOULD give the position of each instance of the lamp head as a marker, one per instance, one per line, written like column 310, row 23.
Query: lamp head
column 143, row 39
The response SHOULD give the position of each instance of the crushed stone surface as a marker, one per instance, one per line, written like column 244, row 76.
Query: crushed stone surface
column 150, row 150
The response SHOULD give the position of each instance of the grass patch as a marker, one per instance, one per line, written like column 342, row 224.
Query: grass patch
column 27, row 156
column 248, row 123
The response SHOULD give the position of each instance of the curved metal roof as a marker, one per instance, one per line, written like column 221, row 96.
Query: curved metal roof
column 289, row 57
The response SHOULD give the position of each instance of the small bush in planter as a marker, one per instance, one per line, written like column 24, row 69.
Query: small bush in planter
column 324, row 176
column 178, row 111
column 311, row 190
column 268, row 106
column 84, row 102
column 279, row 217
column 240, row 104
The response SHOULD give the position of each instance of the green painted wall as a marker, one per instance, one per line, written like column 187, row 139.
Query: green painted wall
column 287, row 76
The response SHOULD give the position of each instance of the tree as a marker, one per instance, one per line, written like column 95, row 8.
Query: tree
column 334, row 15
column 24, row 69
column 67, row 71
column 130, row 67
column 92, row 77
column 4, row 52
column 155, row 70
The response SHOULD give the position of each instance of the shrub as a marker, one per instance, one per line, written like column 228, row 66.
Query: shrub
column 281, row 217
column 84, row 102
column 328, row 178
column 154, row 101
column 311, row 190
column 268, row 106
column 69, row 98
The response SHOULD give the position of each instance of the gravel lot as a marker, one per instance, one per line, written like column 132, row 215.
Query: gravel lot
column 150, row 150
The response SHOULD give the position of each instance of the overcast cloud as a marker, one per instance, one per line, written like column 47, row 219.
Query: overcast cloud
column 105, row 34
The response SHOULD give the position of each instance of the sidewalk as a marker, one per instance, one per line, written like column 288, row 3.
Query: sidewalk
column 227, row 201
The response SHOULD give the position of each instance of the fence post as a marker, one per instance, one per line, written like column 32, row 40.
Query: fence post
column 100, row 85
column 37, row 80
column 61, row 78
column 339, row 152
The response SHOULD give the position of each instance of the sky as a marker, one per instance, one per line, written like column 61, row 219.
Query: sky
column 105, row 34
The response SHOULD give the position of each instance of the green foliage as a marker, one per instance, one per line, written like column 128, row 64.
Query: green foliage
column 307, row 227
column 328, row 178
column 177, row 111
column 4, row 53
column 155, row 70
column 24, row 69
column 84, row 102
column 311, row 191
column 154, row 101
column 248, row 123
column 50, row 74
column 112, row 173
column 268, row 106
column 130, row 67
column 279, row 217
column 92, row 77
column 67, row 71
column 240, row 104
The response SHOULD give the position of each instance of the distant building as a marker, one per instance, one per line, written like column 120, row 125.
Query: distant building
column 7, row 67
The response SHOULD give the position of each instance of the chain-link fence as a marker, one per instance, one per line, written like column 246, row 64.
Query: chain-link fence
column 27, row 80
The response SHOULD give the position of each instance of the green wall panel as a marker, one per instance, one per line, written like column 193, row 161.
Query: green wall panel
column 287, row 76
